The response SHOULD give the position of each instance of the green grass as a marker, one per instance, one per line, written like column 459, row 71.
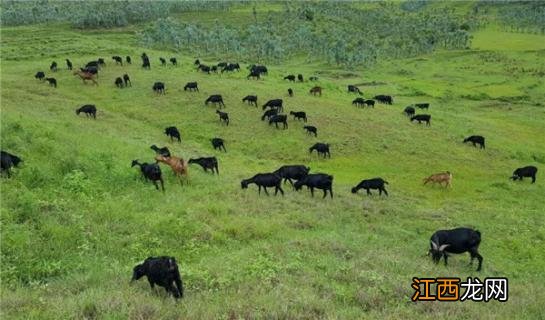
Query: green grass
column 76, row 218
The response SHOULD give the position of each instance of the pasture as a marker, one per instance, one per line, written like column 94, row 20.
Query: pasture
column 76, row 218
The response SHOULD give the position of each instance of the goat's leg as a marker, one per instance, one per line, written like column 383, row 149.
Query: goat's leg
column 162, row 185
column 331, row 192
column 384, row 190
column 266, row 192
column 312, row 191
column 368, row 192
column 278, row 188
column 446, row 258
column 259, row 189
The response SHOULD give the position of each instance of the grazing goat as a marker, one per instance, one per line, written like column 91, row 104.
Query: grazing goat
column 264, row 180
column 358, row 102
column 89, row 110
column 161, row 151
column 150, row 172
column 321, row 148
column 259, row 69
column 311, row 130
column 254, row 74
column 279, row 118
column 207, row 163
column 384, row 99
column 159, row 87
column 441, row 177
column 118, row 60
column 352, row 88
column 274, row 103
column 161, row 271
column 119, row 82
column 218, row 144
column 313, row 78
column 455, row 241
column 178, row 165
column 475, row 140
column 68, row 64
column 375, row 183
column 290, row 92
column 174, row 61
column 52, row 82
column 204, row 68
column 528, row 172
column 299, row 115
column 370, row 103
column 224, row 117
column 163, row 61
column 290, row 77
column 409, row 111
column 197, row 62
column 128, row 59
column 216, row 99
column 300, row 77
column 87, row 75
column 422, row 117
column 173, row 133
column 127, row 80
column 290, row 172
column 251, row 100
column 53, row 66
column 268, row 114
column 317, row 180
column 40, row 75
column 422, row 105
column 191, row 86
column 145, row 62
column 8, row 160
column 316, row 90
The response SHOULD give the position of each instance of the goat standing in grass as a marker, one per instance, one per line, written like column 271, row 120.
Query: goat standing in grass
column 150, row 172
column 445, row 177
column 178, row 165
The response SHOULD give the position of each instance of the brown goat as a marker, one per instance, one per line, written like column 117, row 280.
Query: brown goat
column 440, row 178
column 316, row 90
column 179, row 166
column 86, row 76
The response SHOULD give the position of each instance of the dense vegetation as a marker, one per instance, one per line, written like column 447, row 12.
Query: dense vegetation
column 75, row 218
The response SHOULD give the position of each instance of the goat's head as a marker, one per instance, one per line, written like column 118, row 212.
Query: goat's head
column 354, row 190
column 134, row 163
column 436, row 251
column 244, row 184
column 138, row 272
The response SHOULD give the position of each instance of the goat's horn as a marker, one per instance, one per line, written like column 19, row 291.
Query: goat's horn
column 434, row 245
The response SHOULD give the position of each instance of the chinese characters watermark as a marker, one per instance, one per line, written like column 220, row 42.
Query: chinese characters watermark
column 454, row 289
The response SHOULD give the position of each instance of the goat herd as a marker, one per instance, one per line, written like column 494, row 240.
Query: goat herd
column 164, row 271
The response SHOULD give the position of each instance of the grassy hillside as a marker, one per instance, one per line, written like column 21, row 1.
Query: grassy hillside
column 76, row 218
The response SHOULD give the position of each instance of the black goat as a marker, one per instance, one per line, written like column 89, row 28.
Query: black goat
column 52, row 82
column 457, row 240
column 174, row 61
column 311, row 130
column 208, row 163
column 53, row 66
column 173, row 133
column 274, row 103
column 162, row 151
column 528, row 172
column 384, row 99
column 264, row 180
column 150, row 172
column 163, row 61
column 268, row 114
column 8, row 160
column 358, row 102
column 161, row 271
column 352, row 88
column 290, row 77
column 159, row 87
column 118, row 60
column 128, row 59
column 300, row 77
column 68, row 64
column 250, row 100
column 215, row 99
column 321, row 148
column 317, row 180
column 224, row 117
column 218, row 144
column 88, row 109
column 40, row 75
column 476, row 140
column 191, row 86
column 119, row 82
column 290, row 92
column 127, row 80
column 409, row 111
column 294, row 172
column 375, row 183
column 254, row 74
column 299, row 115
column 279, row 118
column 370, row 103
column 422, row 117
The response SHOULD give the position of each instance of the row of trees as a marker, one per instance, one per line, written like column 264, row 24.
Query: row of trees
column 524, row 16
column 340, row 33
column 98, row 13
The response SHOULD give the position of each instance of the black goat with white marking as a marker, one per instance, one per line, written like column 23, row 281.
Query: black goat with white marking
column 457, row 241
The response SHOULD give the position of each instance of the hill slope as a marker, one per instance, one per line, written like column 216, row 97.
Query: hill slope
column 76, row 218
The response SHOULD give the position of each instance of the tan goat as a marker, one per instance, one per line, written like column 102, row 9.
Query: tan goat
column 445, row 177
column 178, row 165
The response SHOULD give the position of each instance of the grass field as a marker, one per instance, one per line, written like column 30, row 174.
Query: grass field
column 76, row 218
